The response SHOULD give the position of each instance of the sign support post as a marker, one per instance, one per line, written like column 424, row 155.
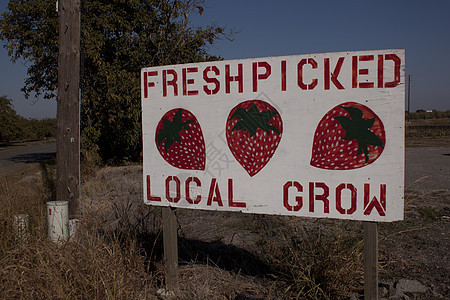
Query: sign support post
column 370, row 260
column 170, row 248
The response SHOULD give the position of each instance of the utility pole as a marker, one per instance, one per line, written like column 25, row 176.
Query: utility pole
column 68, row 120
column 409, row 94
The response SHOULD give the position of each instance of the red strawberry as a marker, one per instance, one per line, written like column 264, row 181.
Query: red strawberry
column 349, row 136
column 179, row 140
column 253, row 131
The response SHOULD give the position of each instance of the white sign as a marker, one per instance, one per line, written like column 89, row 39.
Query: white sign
column 316, row 135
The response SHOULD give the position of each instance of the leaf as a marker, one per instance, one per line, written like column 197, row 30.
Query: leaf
column 344, row 121
column 185, row 124
column 273, row 128
column 177, row 117
column 240, row 113
column 355, row 113
column 242, row 125
column 253, row 109
column 252, row 119
column 161, row 136
column 357, row 128
column 372, row 139
column 171, row 129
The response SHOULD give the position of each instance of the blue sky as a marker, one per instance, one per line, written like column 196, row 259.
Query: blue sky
column 274, row 28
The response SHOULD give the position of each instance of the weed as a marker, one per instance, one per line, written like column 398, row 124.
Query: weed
column 430, row 214
column 316, row 263
column 88, row 266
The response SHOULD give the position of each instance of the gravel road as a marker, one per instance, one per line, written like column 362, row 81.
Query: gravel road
column 427, row 168
column 16, row 158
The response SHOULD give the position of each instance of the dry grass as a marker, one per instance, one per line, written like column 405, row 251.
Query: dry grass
column 88, row 266
column 85, row 268
column 117, row 253
column 316, row 259
column 212, row 282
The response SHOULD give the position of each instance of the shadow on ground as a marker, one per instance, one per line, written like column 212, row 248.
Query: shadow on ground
column 227, row 257
column 30, row 158
column 47, row 165
column 7, row 145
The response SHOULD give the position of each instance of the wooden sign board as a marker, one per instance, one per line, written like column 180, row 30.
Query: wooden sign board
column 315, row 135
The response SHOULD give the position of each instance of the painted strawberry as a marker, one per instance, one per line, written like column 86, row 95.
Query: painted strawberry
column 179, row 140
column 349, row 136
column 253, row 131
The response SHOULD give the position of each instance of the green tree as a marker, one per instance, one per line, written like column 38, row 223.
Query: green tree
column 9, row 121
column 118, row 38
column 34, row 129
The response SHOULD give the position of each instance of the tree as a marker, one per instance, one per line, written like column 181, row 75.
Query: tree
column 9, row 121
column 14, row 127
column 118, row 38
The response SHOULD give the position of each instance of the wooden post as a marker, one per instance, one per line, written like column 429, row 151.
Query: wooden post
column 370, row 260
column 170, row 248
column 67, row 140
column 409, row 95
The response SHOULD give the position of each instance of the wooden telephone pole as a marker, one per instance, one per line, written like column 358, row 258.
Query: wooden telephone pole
column 68, row 110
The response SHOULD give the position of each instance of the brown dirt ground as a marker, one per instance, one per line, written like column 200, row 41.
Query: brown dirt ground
column 226, row 255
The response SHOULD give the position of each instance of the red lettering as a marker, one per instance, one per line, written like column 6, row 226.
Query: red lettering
column 256, row 76
column 298, row 199
column 339, row 189
column 188, row 191
column 231, row 203
column 214, row 193
column 147, row 83
column 333, row 76
column 177, row 185
column 172, row 82
column 239, row 78
column 380, row 206
column 356, row 71
column 187, row 81
column 323, row 197
column 380, row 71
column 149, row 193
column 300, row 82
column 213, row 80
column 283, row 75
column 397, row 63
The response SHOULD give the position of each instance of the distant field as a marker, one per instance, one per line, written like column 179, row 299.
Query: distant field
column 429, row 123
column 427, row 132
